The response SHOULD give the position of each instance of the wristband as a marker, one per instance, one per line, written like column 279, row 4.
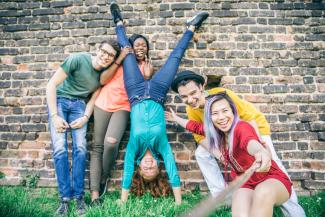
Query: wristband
column 116, row 63
column 54, row 114
column 86, row 116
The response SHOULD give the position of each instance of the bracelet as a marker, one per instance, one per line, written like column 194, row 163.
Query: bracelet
column 54, row 114
column 86, row 116
column 116, row 63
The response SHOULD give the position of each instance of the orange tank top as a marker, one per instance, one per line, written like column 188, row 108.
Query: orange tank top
column 113, row 96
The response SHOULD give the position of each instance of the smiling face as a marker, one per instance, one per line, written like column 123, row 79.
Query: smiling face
column 148, row 167
column 192, row 94
column 105, row 56
column 222, row 115
column 140, row 49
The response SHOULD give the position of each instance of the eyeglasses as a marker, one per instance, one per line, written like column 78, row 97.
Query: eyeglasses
column 106, row 53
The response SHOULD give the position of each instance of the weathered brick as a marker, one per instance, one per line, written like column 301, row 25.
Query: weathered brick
column 61, row 4
column 321, row 136
column 39, row 26
column 315, row 6
column 218, row 63
column 315, row 185
column 15, row 13
column 12, row 136
column 182, row 6
column 299, row 175
column 8, row 20
column 50, row 11
column 224, row 13
column 272, row 88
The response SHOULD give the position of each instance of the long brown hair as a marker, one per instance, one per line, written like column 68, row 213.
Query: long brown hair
column 158, row 187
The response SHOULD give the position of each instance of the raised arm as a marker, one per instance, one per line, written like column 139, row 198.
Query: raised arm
column 191, row 125
column 107, row 75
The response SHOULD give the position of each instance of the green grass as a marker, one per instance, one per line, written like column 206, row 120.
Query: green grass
column 25, row 202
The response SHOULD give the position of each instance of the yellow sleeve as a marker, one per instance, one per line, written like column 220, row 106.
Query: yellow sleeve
column 195, row 115
column 246, row 111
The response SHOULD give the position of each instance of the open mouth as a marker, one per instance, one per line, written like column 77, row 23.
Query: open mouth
column 223, row 124
column 140, row 53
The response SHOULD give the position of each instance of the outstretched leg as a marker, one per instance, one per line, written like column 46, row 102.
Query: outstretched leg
column 161, row 81
column 133, row 79
column 291, row 207
column 267, row 194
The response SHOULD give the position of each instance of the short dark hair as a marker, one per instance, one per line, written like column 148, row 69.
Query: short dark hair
column 114, row 45
column 186, row 76
column 186, row 81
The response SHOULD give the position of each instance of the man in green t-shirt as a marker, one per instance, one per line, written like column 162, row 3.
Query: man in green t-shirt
column 70, row 95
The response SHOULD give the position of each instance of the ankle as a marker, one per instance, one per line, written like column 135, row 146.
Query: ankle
column 119, row 23
column 94, row 195
column 191, row 28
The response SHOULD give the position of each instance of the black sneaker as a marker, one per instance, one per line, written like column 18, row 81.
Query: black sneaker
column 96, row 202
column 63, row 209
column 102, row 189
column 197, row 19
column 116, row 12
column 80, row 206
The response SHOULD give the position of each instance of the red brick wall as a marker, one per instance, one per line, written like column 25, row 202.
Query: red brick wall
column 270, row 53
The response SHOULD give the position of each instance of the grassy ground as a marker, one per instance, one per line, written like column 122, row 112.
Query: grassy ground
column 28, row 202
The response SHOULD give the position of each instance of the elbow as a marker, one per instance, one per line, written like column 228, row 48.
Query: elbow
column 102, row 81
column 49, row 87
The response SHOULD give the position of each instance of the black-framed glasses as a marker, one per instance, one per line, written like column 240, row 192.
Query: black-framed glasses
column 106, row 53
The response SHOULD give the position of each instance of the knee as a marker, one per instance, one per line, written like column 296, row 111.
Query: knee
column 111, row 140
column 81, row 146
column 59, row 148
column 111, row 143
column 263, row 196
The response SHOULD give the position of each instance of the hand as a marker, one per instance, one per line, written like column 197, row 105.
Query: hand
column 148, row 68
column 60, row 124
column 171, row 116
column 124, row 52
column 120, row 202
column 263, row 157
column 267, row 147
column 78, row 123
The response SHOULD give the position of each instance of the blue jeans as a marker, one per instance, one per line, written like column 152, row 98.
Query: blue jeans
column 156, row 88
column 70, row 184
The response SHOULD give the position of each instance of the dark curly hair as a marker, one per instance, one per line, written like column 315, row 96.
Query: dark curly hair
column 158, row 187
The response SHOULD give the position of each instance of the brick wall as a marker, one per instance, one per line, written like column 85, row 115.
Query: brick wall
column 271, row 53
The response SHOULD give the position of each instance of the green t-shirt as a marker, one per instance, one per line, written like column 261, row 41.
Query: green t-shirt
column 82, row 78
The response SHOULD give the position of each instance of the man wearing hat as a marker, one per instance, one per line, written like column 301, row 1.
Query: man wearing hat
column 190, row 87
